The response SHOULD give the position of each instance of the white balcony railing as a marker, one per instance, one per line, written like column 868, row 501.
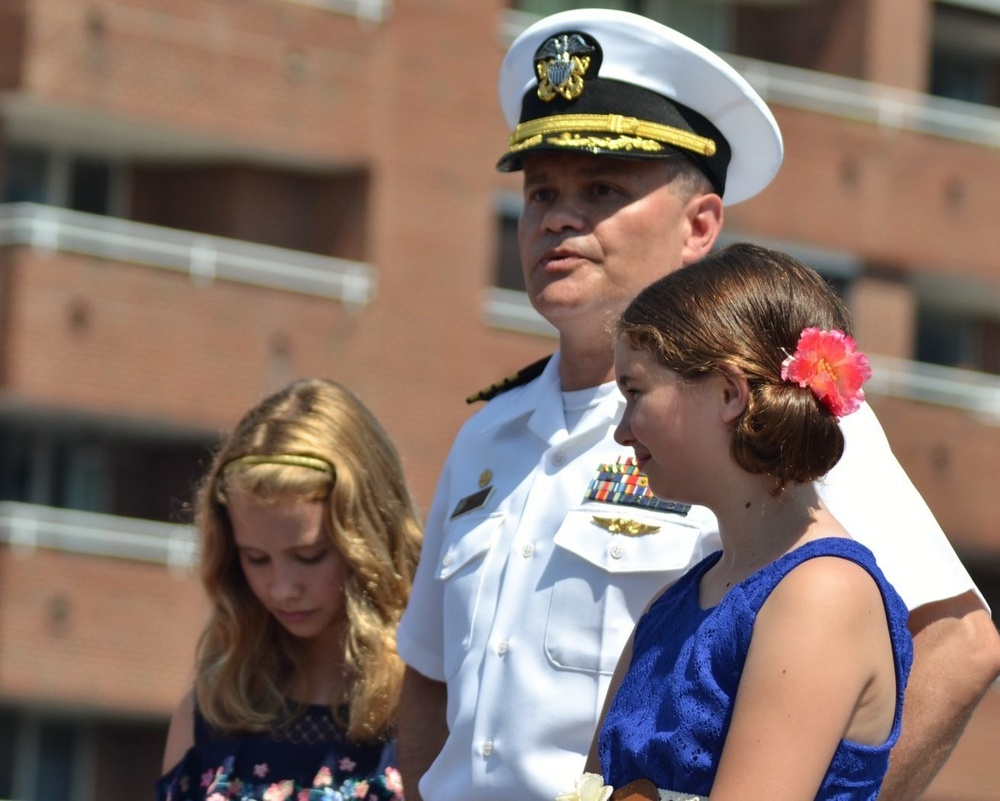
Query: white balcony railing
column 205, row 258
column 26, row 526
column 864, row 101
column 978, row 393
column 365, row 10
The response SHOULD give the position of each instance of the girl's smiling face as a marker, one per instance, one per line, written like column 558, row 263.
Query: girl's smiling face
column 674, row 424
column 291, row 563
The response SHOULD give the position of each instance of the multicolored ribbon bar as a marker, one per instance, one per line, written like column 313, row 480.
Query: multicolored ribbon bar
column 622, row 483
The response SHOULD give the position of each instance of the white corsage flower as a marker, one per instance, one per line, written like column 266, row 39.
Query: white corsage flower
column 589, row 787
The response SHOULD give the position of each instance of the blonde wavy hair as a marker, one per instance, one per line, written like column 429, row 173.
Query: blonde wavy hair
column 246, row 662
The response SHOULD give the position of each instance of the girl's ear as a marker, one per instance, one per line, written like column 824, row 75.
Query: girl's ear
column 735, row 392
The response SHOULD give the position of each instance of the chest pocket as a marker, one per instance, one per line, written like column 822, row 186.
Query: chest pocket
column 460, row 567
column 605, row 579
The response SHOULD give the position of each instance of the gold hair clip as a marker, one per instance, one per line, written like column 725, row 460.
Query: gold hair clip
column 310, row 462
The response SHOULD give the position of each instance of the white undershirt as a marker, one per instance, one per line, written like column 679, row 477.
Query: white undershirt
column 578, row 402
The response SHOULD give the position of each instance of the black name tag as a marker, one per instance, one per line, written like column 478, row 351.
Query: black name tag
column 473, row 501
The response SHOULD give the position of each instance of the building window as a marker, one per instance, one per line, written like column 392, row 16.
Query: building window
column 953, row 340
column 508, row 273
column 38, row 175
column 706, row 21
column 25, row 174
column 965, row 60
column 98, row 470
column 58, row 752
column 51, row 757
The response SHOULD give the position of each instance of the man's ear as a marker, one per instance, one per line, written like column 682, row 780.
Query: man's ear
column 735, row 392
column 704, row 215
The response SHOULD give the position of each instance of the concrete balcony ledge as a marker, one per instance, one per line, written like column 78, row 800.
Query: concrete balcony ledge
column 367, row 10
column 876, row 104
column 971, row 391
column 205, row 258
column 25, row 527
column 968, row 390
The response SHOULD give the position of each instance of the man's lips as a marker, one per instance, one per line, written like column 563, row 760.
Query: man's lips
column 555, row 260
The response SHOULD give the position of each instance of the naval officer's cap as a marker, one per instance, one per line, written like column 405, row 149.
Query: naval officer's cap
column 612, row 83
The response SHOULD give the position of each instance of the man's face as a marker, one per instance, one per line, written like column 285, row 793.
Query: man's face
column 594, row 231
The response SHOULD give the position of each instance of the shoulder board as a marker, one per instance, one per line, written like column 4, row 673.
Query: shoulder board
column 521, row 377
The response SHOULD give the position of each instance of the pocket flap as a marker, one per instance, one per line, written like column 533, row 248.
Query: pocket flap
column 465, row 541
column 629, row 539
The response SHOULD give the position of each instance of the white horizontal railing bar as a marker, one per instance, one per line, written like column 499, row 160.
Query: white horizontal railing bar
column 368, row 10
column 26, row 526
column 511, row 310
column 204, row 257
column 969, row 390
column 848, row 98
column 873, row 103
column 989, row 6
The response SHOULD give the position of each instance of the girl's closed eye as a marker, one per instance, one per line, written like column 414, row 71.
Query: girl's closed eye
column 312, row 557
column 253, row 558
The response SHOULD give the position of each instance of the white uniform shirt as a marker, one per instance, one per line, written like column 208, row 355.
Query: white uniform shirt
column 523, row 603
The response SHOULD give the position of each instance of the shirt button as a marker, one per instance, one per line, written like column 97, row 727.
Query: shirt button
column 559, row 459
column 502, row 647
column 528, row 551
column 487, row 748
column 447, row 559
column 617, row 551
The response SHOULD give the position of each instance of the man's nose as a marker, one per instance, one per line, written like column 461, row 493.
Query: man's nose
column 564, row 213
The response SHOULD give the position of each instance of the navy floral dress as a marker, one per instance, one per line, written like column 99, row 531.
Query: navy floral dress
column 307, row 760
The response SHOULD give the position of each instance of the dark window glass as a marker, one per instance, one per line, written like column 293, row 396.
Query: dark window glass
column 56, row 761
column 965, row 59
column 99, row 470
column 25, row 175
column 8, row 740
column 90, row 186
column 508, row 267
column 946, row 340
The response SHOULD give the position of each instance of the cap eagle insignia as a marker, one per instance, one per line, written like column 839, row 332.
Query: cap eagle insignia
column 561, row 64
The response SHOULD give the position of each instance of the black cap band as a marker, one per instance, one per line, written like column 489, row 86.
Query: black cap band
column 647, row 125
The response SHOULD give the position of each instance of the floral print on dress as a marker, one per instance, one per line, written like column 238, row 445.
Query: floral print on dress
column 334, row 781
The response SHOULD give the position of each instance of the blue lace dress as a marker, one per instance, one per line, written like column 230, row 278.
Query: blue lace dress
column 669, row 719
column 307, row 760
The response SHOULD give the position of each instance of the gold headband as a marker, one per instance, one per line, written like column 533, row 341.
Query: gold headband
column 311, row 462
column 613, row 124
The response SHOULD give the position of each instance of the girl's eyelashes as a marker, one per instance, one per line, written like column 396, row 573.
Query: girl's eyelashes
column 307, row 558
column 313, row 558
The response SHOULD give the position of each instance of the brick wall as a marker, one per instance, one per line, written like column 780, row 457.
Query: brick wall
column 89, row 632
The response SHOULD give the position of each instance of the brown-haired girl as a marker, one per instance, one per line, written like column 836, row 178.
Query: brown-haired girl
column 775, row 668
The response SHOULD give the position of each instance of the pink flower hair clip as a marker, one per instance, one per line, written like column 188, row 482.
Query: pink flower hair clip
column 830, row 364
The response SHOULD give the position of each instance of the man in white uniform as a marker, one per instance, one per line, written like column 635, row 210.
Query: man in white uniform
column 543, row 544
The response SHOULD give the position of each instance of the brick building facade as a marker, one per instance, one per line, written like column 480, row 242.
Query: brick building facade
column 201, row 200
